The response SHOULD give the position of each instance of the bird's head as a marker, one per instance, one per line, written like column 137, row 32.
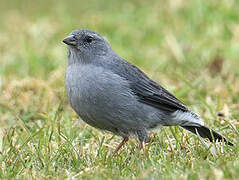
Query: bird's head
column 86, row 45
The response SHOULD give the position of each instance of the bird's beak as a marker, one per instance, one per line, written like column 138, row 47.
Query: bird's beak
column 70, row 40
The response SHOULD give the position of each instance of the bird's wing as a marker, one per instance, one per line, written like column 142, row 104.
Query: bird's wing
column 148, row 91
column 151, row 93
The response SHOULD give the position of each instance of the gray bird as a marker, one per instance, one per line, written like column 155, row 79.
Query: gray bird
column 111, row 94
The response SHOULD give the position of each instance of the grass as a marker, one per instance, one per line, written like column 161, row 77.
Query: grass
column 189, row 47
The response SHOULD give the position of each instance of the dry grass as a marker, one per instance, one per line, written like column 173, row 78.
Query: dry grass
column 189, row 47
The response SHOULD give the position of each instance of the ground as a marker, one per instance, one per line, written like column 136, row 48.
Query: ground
column 191, row 48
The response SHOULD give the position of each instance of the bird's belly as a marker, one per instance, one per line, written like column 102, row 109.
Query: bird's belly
column 104, row 100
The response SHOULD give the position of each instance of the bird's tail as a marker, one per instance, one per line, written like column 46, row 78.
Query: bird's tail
column 205, row 132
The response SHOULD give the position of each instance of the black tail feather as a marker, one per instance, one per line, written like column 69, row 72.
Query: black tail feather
column 205, row 132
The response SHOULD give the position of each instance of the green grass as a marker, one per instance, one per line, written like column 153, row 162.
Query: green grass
column 191, row 48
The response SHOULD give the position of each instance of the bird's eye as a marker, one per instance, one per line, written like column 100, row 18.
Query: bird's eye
column 89, row 39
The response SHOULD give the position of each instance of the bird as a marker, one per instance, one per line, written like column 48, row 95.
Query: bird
column 111, row 94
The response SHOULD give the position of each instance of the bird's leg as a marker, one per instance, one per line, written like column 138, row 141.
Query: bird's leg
column 143, row 137
column 142, row 145
column 120, row 145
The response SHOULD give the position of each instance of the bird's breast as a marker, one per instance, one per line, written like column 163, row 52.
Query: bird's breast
column 79, row 86
column 94, row 90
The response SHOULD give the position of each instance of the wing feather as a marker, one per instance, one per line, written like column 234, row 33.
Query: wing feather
column 146, row 90
column 151, row 93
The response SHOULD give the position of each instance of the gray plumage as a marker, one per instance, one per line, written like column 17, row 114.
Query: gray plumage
column 111, row 94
